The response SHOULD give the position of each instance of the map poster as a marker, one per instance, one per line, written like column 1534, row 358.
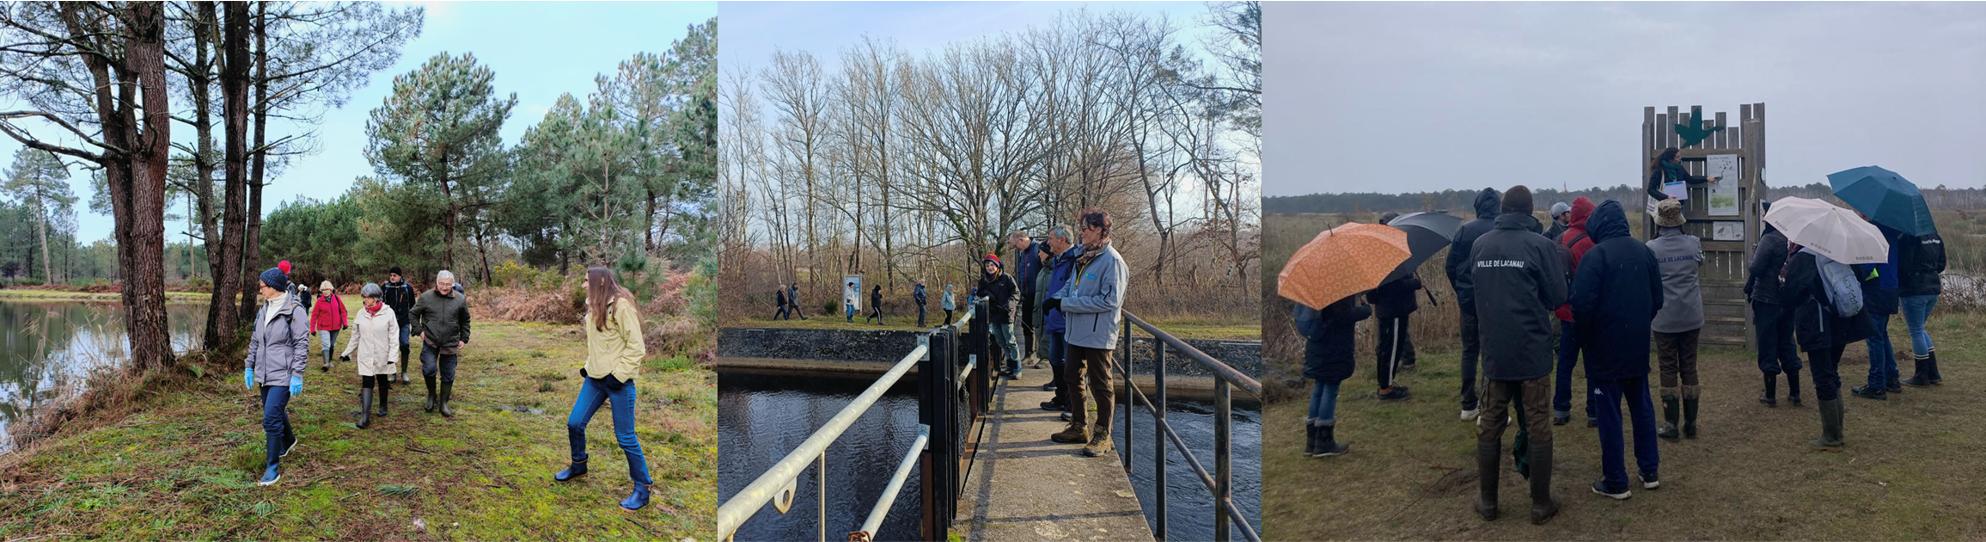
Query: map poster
column 1724, row 193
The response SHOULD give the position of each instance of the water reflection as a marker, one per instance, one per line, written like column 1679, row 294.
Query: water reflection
column 46, row 349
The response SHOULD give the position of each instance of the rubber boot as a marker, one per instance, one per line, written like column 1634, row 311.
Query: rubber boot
column 1793, row 387
column 1771, row 396
column 1922, row 376
column 403, row 363
column 1487, row 470
column 1937, row 377
column 1830, row 440
column 429, row 407
column 1691, row 398
column 381, row 413
column 447, row 389
column 1668, row 430
column 1327, row 443
column 365, row 407
column 637, row 499
column 1309, row 438
column 575, row 470
column 1544, row 505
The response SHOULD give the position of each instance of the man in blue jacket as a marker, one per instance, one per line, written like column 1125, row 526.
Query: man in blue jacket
column 1615, row 296
column 1880, row 301
column 1458, row 259
column 1027, row 260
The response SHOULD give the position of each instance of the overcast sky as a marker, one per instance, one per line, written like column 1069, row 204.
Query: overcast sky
column 537, row 49
column 1401, row 97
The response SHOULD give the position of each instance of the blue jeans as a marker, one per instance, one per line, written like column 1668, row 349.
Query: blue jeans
column 593, row 393
column 1882, row 355
column 432, row 361
column 1057, row 348
column 850, row 312
column 1324, row 402
column 1568, row 355
column 404, row 335
column 1613, row 464
column 328, row 338
column 1916, row 310
column 1004, row 334
column 276, row 431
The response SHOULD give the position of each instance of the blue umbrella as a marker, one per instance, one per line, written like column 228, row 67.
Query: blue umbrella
column 1885, row 197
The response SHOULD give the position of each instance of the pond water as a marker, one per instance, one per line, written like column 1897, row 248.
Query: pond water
column 47, row 349
column 761, row 418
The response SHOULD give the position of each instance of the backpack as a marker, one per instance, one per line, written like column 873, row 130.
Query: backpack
column 1843, row 290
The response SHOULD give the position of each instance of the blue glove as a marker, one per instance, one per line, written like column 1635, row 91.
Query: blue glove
column 248, row 378
column 296, row 386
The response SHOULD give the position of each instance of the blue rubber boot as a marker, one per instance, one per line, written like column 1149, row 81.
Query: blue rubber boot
column 638, row 499
column 270, row 476
column 577, row 469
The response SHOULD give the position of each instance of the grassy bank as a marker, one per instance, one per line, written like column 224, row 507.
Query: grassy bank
column 184, row 465
column 1908, row 471
column 1184, row 328
column 16, row 294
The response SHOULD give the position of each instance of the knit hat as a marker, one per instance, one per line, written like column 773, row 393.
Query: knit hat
column 394, row 270
column 284, row 265
column 1669, row 213
column 994, row 259
column 325, row 286
column 1517, row 200
column 1560, row 208
column 370, row 290
column 276, row 279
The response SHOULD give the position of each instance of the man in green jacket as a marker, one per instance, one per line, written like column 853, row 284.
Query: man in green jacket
column 441, row 322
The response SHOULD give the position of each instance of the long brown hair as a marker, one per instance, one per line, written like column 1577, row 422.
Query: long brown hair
column 601, row 289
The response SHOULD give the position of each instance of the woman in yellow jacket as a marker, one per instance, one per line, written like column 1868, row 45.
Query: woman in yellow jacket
column 614, row 350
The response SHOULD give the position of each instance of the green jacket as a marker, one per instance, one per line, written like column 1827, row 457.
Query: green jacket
column 441, row 320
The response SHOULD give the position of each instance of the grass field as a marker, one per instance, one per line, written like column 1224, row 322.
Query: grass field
column 1909, row 470
column 185, row 465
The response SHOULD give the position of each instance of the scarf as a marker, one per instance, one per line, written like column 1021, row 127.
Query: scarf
column 374, row 310
column 1090, row 253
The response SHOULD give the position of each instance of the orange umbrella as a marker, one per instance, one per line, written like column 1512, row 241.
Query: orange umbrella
column 1341, row 262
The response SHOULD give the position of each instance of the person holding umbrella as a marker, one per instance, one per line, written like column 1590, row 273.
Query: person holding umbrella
column 1916, row 258
column 1393, row 303
column 1828, row 300
column 1329, row 272
column 1772, row 320
column 1486, row 205
column 1517, row 277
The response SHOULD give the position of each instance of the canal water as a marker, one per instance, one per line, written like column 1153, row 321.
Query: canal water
column 48, row 349
column 760, row 418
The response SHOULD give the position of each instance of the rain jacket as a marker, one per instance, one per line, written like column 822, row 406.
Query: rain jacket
column 918, row 294
column 1576, row 240
column 999, row 290
column 1486, row 204
column 1762, row 274
column 329, row 314
column 1679, row 256
column 1395, row 299
column 1518, row 276
column 1880, row 280
column 946, row 302
column 617, row 350
column 279, row 348
column 1028, row 265
column 1093, row 300
column 1615, row 297
column 1328, row 354
column 441, row 320
column 1060, row 270
column 400, row 296
column 1920, row 262
column 376, row 340
column 1818, row 325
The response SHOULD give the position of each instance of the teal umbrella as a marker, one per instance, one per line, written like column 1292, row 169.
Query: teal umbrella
column 1885, row 197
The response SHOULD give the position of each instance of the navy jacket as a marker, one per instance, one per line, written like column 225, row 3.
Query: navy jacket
column 1395, row 299
column 1615, row 296
column 1762, row 273
column 1487, row 203
column 1879, row 292
column 1030, row 264
column 1328, row 356
column 1519, row 278
column 1921, row 261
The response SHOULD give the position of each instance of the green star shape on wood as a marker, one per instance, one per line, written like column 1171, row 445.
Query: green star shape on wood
column 1694, row 132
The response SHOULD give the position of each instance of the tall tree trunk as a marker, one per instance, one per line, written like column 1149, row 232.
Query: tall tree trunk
column 251, row 243
column 200, row 86
column 41, row 222
column 228, row 279
column 143, row 196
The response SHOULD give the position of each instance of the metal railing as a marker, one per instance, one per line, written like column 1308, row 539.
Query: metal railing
column 778, row 484
column 1221, row 481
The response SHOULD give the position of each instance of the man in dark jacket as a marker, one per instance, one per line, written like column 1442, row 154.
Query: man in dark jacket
column 1615, row 297
column 1027, row 257
column 399, row 296
column 1772, row 321
column 999, row 290
column 1393, row 303
column 1576, row 240
column 793, row 301
column 1823, row 334
column 1560, row 221
column 1517, row 277
column 1458, row 259
column 917, row 294
column 1879, row 302
column 1921, row 261
column 441, row 318
column 779, row 296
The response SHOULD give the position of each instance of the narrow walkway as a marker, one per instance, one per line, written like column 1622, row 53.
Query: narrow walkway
column 1026, row 487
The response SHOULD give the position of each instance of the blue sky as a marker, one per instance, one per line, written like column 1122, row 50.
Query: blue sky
column 537, row 49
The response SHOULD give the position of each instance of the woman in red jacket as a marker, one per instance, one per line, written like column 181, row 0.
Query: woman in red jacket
column 327, row 318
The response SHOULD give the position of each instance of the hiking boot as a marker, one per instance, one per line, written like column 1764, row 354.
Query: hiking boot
column 1100, row 443
column 1048, row 387
column 577, row 469
column 1668, row 430
column 365, row 408
column 1066, row 416
column 1869, row 392
column 1395, row 393
column 1592, row 422
column 1074, row 434
column 1650, row 480
column 1622, row 494
column 429, row 406
column 1830, row 440
column 1893, row 386
column 637, row 499
column 1561, row 418
column 1053, row 406
column 1922, row 376
column 447, row 389
column 1327, row 442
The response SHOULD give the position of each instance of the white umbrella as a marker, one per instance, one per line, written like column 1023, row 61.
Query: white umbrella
column 1832, row 231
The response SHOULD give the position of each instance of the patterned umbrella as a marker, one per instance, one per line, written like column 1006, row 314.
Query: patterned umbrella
column 1341, row 262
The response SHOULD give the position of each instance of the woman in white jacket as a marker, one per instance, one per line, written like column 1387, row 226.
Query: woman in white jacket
column 376, row 339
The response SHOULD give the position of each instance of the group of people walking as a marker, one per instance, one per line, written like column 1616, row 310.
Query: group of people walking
column 788, row 299
column 278, row 357
column 1612, row 297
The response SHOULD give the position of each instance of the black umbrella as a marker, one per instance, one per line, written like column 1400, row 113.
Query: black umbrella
column 1427, row 234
